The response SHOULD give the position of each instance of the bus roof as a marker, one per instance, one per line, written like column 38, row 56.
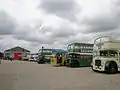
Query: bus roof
column 60, row 51
column 81, row 53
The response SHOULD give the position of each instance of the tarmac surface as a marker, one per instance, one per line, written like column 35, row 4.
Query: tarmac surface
column 21, row 75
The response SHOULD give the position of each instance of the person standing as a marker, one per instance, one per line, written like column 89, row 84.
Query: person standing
column 57, row 56
column 61, row 59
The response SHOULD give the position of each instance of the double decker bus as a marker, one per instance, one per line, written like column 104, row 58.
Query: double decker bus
column 106, row 55
column 80, row 54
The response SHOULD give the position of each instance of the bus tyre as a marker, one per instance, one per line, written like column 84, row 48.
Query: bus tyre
column 71, row 65
column 38, row 62
column 75, row 64
column 112, row 68
column 41, row 62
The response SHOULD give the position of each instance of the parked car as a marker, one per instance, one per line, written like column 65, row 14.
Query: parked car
column 25, row 58
column 33, row 58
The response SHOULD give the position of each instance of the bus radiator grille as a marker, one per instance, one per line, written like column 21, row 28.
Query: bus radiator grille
column 97, row 62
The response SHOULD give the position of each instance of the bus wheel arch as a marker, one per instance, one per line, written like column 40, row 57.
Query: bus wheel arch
column 111, row 67
column 76, row 63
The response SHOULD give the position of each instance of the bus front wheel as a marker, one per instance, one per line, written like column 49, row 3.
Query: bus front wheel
column 74, row 64
column 112, row 68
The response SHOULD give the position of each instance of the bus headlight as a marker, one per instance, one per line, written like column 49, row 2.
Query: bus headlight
column 102, row 64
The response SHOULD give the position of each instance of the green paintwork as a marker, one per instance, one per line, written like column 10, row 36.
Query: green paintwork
column 85, row 62
column 73, row 50
column 46, row 54
column 81, row 62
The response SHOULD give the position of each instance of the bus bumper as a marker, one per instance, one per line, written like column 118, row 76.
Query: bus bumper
column 98, row 68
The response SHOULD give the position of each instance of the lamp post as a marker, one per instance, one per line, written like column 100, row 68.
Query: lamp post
column 42, row 49
column 37, row 31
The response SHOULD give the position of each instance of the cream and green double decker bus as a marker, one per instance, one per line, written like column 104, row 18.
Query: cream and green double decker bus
column 106, row 55
column 80, row 54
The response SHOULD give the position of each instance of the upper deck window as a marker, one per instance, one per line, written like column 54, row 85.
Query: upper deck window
column 108, row 53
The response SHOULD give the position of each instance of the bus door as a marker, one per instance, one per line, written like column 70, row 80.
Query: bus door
column 64, row 58
column 53, row 60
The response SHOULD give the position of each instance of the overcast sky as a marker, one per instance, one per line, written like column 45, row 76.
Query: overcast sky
column 56, row 23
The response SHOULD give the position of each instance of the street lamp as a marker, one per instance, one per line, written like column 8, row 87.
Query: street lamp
column 37, row 31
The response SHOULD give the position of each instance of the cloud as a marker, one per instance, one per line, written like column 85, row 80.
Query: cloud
column 63, row 22
column 101, row 24
column 106, row 21
column 0, row 37
column 7, row 24
column 66, row 9
column 32, row 35
column 63, row 32
column 47, row 35
column 114, row 34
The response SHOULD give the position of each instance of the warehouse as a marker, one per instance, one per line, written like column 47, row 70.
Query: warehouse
column 16, row 53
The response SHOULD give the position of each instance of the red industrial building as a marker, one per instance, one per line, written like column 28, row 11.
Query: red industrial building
column 16, row 53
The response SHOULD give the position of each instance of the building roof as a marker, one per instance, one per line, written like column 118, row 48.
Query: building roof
column 16, row 48
column 60, row 51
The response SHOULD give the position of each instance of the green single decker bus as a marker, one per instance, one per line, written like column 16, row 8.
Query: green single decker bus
column 47, row 53
column 80, row 55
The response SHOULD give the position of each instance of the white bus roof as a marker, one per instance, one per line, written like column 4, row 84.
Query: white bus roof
column 108, row 44
column 81, row 53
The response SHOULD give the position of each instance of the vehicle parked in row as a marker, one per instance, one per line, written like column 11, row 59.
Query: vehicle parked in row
column 33, row 58
column 25, row 58
column 106, row 55
column 59, row 59
column 80, row 54
column 79, row 59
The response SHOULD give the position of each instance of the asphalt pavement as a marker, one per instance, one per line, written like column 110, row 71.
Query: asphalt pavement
column 22, row 75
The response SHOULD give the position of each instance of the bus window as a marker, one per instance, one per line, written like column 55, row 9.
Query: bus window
column 87, row 56
column 108, row 53
column 80, row 56
column 83, row 57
